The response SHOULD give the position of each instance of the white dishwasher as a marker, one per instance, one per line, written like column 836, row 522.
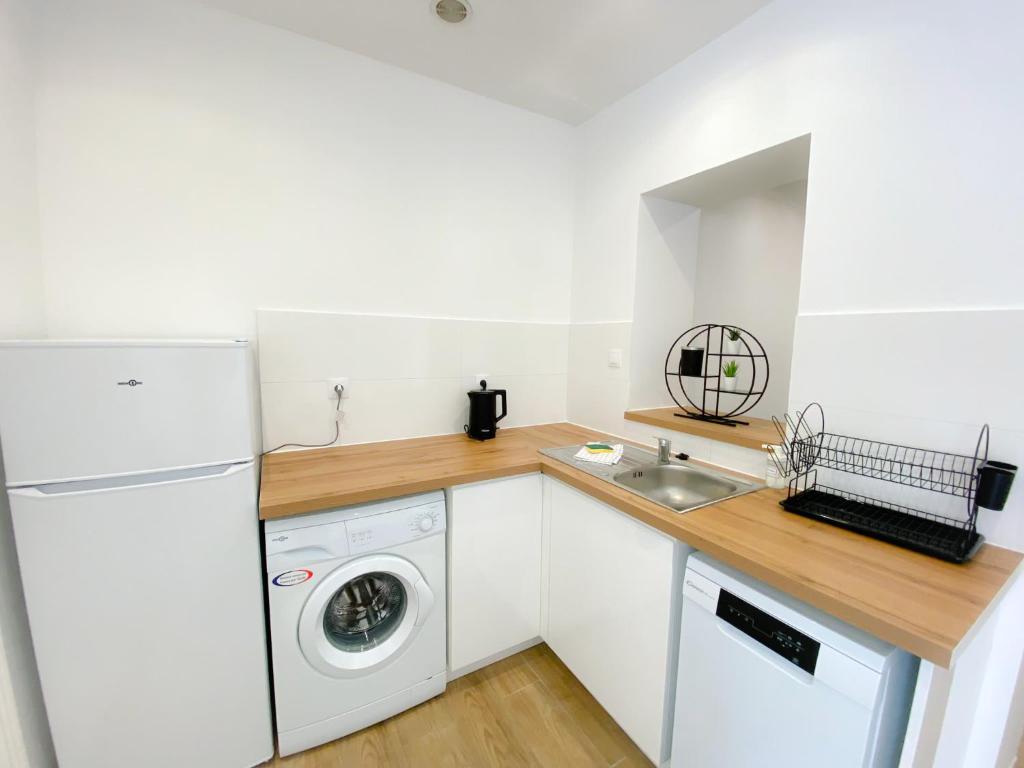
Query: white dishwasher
column 767, row 681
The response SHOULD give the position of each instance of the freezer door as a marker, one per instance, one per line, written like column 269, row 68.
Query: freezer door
column 146, row 610
column 87, row 409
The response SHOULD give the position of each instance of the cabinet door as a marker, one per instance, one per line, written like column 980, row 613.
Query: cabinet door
column 610, row 611
column 494, row 535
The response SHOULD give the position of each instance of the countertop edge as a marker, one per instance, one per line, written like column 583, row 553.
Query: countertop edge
column 323, row 502
column 934, row 651
column 873, row 618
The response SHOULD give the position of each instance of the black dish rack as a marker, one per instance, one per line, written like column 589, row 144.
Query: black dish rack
column 807, row 449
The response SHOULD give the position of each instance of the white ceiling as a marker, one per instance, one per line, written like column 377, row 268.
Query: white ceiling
column 769, row 168
column 564, row 58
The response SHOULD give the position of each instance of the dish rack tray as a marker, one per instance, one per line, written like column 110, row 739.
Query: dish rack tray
column 807, row 447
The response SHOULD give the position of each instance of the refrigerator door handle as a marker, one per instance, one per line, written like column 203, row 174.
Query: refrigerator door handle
column 126, row 482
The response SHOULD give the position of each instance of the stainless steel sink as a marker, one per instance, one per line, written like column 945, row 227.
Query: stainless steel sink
column 676, row 485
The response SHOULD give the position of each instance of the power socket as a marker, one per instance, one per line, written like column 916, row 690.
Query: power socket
column 332, row 395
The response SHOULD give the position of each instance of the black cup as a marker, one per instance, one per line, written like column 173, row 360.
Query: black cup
column 691, row 361
column 994, row 481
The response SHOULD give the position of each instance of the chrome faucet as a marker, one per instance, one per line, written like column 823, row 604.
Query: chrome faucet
column 664, row 450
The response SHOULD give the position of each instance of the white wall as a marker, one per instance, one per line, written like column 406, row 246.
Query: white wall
column 666, row 275
column 748, row 274
column 24, row 736
column 911, row 259
column 908, row 209
column 194, row 165
column 21, row 306
column 911, row 106
column 217, row 165
column 598, row 395
column 408, row 376
column 735, row 261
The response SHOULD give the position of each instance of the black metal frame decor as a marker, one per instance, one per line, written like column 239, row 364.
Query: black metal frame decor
column 707, row 341
column 807, row 447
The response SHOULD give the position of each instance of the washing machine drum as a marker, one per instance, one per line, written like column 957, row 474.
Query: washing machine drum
column 363, row 614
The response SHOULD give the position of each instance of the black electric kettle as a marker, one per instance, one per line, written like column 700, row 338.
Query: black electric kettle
column 483, row 405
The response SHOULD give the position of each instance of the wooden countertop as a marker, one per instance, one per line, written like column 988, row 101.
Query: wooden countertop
column 752, row 435
column 304, row 481
column 921, row 604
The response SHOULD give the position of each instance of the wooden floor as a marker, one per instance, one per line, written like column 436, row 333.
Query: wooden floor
column 527, row 710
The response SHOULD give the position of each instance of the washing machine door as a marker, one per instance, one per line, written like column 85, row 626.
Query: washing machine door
column 363, row 614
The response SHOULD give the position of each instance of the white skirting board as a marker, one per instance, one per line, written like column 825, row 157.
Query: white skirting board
column 469, row 668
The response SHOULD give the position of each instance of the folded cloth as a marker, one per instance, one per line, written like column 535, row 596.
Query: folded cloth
column 600, row 453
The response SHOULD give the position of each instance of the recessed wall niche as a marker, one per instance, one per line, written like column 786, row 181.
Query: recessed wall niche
column 721, row 246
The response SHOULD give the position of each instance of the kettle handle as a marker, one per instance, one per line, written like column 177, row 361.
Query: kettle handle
column 504, row 406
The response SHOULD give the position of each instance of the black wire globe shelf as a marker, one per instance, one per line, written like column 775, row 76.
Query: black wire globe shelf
column 688, row 368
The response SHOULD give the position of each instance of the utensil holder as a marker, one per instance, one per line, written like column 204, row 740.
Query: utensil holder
column 994, row 481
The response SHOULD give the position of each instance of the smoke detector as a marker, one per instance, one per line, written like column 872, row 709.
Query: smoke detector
column 452, row 11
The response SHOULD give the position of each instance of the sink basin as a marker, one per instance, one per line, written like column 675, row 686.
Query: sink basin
column 677, row 486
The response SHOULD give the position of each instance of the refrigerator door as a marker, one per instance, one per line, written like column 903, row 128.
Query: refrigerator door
column 146, row 609
column 72, row 410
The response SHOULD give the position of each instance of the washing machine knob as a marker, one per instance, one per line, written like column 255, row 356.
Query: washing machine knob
column 426, row 523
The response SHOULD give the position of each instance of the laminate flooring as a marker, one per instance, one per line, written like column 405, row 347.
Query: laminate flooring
column 526, row 710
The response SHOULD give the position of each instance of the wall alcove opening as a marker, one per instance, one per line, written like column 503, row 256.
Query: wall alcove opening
column 721, row 246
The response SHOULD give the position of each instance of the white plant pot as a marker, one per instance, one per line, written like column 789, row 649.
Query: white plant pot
column 728, row 383
column 730, row 347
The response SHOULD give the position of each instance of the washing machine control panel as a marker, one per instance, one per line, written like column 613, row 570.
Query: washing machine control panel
column 366, row 534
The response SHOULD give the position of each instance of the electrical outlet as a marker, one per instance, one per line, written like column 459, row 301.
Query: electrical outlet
column 478, row 377
column 332, row 383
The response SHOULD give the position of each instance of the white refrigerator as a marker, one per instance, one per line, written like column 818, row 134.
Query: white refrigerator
column 133, row 488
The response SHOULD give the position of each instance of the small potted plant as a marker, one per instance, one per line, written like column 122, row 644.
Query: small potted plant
column 731, row 342
column 728, row 383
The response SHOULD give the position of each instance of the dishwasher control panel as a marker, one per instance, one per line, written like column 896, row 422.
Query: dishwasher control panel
column 791, row 644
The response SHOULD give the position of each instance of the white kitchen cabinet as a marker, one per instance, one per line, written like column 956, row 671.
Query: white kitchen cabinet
column 612, row 614
column 494, row 569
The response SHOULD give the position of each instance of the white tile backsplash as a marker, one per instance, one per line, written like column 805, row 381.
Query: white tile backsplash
column 502, row 349
column 598, row 396
column 923, row 378
column 390, row 409
column 910, row 377
column 408, row 376
column 534, row 399
column 295, row 412
column 954, row 366
column 306, row 346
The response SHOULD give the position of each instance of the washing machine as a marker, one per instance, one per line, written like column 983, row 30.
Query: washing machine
column 357, row 616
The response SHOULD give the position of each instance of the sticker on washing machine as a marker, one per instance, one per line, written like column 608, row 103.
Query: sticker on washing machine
column 291, row 578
